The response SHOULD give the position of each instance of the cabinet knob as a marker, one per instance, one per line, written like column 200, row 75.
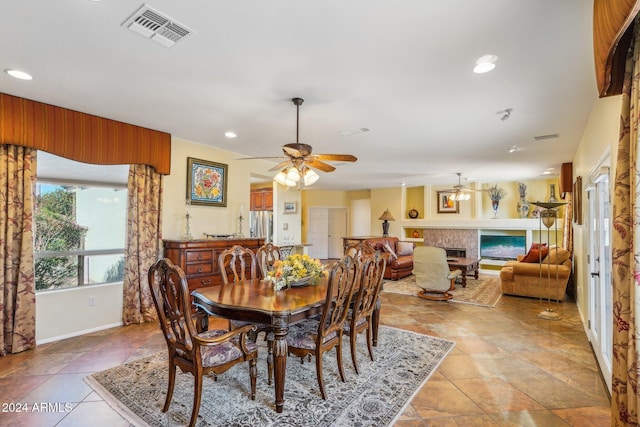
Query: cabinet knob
column 206, row 282
column 199, row 256
column 199, row 269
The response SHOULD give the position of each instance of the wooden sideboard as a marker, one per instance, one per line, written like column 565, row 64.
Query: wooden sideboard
column 199, row 258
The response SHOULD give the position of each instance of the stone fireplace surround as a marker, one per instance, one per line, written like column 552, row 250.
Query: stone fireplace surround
column 454, row 238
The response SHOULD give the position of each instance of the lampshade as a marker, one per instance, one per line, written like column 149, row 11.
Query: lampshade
column 293, row 175
column 386, row 216
column 281, row 177
column 309, row 177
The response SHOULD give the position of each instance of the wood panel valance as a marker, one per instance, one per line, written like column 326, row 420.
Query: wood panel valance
column 80, row 136
column 612, row 28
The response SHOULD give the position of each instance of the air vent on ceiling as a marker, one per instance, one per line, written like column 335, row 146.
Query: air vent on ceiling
column 543, row 137
column 154, row 25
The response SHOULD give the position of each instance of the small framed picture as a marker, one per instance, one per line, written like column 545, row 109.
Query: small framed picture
column 206, row 182
column 446, row 204
column 290, row 207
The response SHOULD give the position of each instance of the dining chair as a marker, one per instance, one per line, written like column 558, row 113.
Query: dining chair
column 432, row 273
column 317, row 336
column 241, row 262
column 364, row 303
column 266, row 256
column 359, row 250
column 213, row 351
column 238, row 260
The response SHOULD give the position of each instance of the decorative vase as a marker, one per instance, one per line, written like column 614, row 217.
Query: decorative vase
column 552, row 194
column 523, row 208
column 495, row 204
column 416, row 234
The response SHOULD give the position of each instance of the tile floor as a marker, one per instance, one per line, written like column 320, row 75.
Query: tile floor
column 508, row 368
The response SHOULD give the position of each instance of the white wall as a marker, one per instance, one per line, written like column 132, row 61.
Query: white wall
column 66, row 313
column 360, row 217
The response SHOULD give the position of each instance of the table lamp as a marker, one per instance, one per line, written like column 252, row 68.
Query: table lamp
column 386, row 216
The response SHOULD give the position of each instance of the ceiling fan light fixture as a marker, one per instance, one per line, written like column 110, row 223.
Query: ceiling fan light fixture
column 310, row 177
column 293, row 174
column 281, row 177
column 460, row 196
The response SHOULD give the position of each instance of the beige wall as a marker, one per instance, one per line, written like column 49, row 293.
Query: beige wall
column 381, row 200
column 207, row 219
column 599, row 142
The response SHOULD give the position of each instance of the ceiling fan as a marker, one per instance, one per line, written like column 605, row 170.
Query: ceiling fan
column 295, row 169
column 460, row 192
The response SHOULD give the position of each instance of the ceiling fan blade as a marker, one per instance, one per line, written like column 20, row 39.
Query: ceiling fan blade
column 336, row 157
column 280, row 165
column 324, row 167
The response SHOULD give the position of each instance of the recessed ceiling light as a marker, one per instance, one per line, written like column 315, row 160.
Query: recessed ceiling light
column 230, row 134
column 485, row 63
column 18, row 74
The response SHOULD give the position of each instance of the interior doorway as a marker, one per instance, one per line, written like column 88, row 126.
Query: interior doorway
column 326, row 228
column 599, row 260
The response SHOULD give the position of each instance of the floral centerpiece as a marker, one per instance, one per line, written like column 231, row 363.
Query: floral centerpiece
column 295, row 268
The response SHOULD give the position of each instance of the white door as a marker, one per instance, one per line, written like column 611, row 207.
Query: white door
column 600, row 286
column 337, row 230
column 318, row 233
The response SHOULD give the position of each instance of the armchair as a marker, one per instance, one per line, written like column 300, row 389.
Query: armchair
column 432, row 273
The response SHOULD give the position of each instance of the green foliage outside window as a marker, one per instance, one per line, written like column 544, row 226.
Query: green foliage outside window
column 57, row 230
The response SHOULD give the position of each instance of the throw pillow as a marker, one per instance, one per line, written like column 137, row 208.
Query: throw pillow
column 536, row 254
column 557, row 255
column 404, row 248
column 388, row 249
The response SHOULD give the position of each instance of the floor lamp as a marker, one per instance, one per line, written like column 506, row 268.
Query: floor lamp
column 548, row 216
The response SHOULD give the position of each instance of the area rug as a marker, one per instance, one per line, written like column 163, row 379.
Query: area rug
column 376, row 397
column 485, row 291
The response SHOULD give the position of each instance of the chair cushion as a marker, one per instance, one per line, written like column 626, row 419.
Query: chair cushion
column 220, row 354
column 404, row 248
column 304, row 334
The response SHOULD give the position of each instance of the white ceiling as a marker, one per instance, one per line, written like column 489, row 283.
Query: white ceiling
column 401, row 68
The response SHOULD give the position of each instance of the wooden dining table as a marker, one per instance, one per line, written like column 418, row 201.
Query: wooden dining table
column 256, row 301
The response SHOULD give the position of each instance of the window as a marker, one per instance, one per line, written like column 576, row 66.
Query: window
column 80, row 228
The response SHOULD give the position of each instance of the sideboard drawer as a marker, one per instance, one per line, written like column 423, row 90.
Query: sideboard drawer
column 200, row 255
column 199, row 282
column 199, row 268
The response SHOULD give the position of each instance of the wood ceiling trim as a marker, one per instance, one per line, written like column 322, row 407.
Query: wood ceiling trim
column 612, row 29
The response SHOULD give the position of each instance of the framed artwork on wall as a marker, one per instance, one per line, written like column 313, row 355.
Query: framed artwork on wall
column 290, row 207
column 446, row 204
column 206, row 182
column 577, row 200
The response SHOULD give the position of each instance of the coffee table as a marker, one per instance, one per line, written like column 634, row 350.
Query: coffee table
column 468, row 266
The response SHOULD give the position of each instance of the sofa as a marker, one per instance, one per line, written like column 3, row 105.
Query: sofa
column 529, row 277
column 399, row 256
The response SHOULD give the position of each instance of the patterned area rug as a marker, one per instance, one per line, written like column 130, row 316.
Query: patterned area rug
column 485, row 291
column 376, row 397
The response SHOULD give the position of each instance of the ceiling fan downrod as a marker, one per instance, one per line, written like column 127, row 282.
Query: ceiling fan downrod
column 297, row 102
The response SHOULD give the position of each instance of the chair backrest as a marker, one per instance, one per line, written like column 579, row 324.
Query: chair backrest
column 170, row 293
column 343, row 279
column 430, row 268
column 359, row 250
column 266, row 256
column 240, row 261
column 371, row 275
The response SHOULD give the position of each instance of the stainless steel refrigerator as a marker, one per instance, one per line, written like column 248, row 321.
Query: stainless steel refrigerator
column 261, row 225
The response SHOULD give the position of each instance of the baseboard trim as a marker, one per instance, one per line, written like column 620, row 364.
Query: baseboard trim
column 78, row 333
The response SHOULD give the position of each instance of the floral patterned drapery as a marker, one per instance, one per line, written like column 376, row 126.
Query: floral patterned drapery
column 17, row 278
column 625, row 251
column 144, row 242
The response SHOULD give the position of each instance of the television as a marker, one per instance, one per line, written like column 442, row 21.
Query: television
column 502, row 247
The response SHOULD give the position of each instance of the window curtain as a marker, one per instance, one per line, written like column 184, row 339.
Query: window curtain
column 626, row 251
column 144, row 242
column 17, row 279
